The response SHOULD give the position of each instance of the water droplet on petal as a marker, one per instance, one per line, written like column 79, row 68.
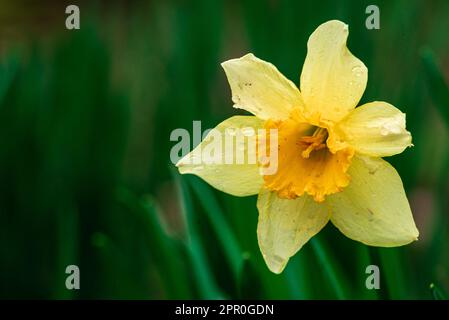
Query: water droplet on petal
column 357, row 71
column 231, row 131
column 248, row 131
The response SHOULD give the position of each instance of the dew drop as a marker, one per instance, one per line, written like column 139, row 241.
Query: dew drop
column 357, row 71
column 248, row 131
column 231, row 131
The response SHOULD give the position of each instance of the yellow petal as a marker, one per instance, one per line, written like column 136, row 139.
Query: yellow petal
column 286, row 225
column 332, row 79
column 373, row 209
column 258, row 87
column 375, row 129
column 231, row 167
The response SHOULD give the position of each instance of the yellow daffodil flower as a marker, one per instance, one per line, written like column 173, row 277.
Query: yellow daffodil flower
column 329, row 152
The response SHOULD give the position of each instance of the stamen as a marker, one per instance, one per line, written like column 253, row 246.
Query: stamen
column 315, row 142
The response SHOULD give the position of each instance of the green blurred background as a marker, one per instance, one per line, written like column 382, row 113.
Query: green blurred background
column 85, row 172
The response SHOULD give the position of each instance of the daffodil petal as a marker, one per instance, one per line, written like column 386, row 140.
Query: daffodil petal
column 258, row 87
column 286, row 225
column 332, row 79
column 376, row 129
column 373, row 209
column 237, row 175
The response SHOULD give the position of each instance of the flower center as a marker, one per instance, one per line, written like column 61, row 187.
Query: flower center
column 304, row 162
column 317, row 141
